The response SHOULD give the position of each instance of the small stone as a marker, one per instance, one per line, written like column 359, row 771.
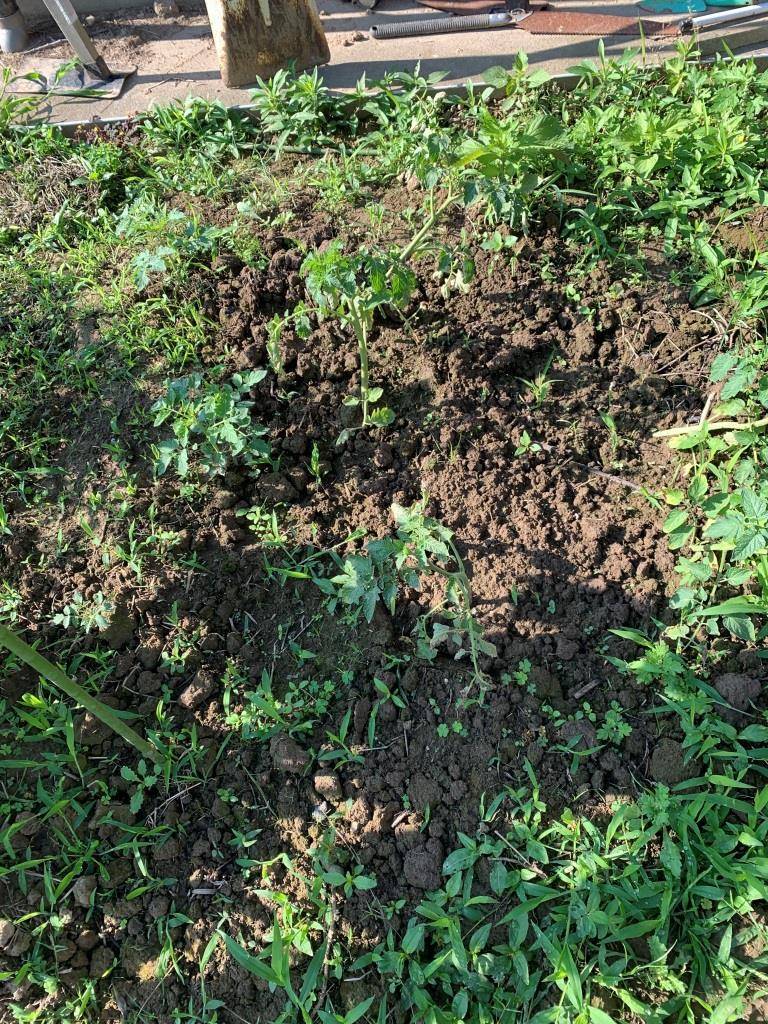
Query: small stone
column 287, row 755
column 166, row 8
column 199, row 690
column 158, row 906
column 328, row 787
column 6, row 933
column 83, row 890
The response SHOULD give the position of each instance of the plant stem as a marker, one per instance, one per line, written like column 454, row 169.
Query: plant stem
column 361, row 333
column 429, row 223
column 58, row 678
column 692, row 428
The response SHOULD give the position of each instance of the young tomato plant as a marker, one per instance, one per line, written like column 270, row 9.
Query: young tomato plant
column 352, row 287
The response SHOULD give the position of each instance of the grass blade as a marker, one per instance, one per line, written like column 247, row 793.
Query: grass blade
column 57, row 677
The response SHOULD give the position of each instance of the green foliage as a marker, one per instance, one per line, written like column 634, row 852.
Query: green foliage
column 422, row 547
column 90, row 614
column 579, row 914
column 211, row 425
column 299, row 111
column 258, row 712
column 719, row 521
column 352, row 287
column 142, row 779
column 652, row 912
column 59, row 679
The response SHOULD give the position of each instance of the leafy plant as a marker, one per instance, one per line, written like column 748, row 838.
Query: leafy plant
column 95, row 613
column 422, row 547
column 541, row 384
column 351, row 287
column 142, row 778
column 211, row 423
column 614, row 728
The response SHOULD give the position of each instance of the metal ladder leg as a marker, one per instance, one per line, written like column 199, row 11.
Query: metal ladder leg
column 65, row 16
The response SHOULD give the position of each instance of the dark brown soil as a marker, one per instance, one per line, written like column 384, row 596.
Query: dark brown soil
column 562, row 546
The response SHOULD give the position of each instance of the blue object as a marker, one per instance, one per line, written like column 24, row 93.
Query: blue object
column 675, row 6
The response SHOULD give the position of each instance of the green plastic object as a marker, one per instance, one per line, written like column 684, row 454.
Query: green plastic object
column 730, row 3
column 674, row 6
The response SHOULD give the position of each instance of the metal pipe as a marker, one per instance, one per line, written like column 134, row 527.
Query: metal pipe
column 436, row 26
column 13, row 31
column 724, row 17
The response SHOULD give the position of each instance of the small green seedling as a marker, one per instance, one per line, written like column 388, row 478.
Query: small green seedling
column 315, row 464
column 615, row 729
column 90, row 614
column 349, row 880
column 340, row 753
column 541, row 385
column 274, row 334
column 526, row 444
column 351, row 288
column 385, row 695
column 143, row 778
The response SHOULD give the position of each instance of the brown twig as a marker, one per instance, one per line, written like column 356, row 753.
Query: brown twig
column 578, row 694
column 622, row 481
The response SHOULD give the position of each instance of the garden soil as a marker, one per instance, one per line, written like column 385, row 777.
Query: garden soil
column 562, row 545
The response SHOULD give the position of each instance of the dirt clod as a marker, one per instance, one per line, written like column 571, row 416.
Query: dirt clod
column 19, row 944
column 199, row 690
column 328, row 787
column 668, row 763
column 422, row 865
column 739, row 692
column 6, row 933
column 287, row 755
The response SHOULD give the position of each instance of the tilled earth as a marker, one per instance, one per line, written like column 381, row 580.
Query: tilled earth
column 561, row 543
